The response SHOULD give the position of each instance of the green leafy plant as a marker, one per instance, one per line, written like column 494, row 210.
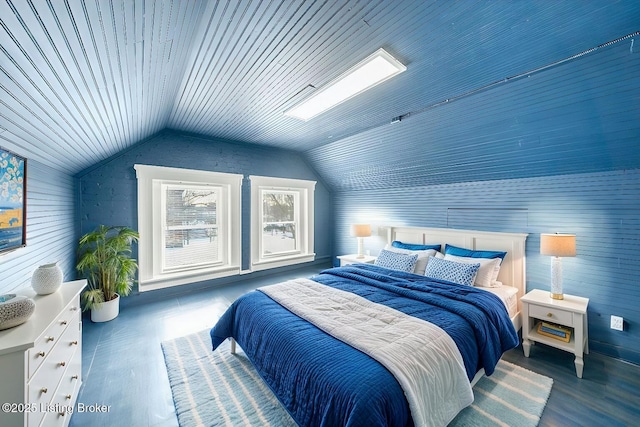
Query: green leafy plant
column 104, row 259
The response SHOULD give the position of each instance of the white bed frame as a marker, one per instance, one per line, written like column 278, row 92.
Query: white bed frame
column 512, row 269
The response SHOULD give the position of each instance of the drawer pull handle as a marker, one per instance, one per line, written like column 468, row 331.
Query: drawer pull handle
column 63, row 322
column 41, row 353
column 74, row 342
column 62, row 363
column 62, row 414
column 44, row 390
column 549, row 314
column 68, row 396
column 74, row 308
column 50, row 339
column 74, row 377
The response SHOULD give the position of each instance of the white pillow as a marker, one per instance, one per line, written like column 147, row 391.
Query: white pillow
column 488, row 272
column 423, row 257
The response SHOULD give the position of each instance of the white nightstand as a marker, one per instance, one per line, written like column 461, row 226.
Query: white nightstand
column 571, row 311
column 353, row 259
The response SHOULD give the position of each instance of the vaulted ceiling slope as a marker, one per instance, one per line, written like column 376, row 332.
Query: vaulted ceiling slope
column 83, row 80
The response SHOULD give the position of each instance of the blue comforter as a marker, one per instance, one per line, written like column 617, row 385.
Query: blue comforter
column 322, row 381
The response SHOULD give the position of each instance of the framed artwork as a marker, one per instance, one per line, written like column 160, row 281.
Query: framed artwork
column 13, row 198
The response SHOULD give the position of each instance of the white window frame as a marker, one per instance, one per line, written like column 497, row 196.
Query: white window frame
column 151, row 182
column 304, row 193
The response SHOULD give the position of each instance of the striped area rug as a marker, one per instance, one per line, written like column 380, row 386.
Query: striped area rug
column 221, row 389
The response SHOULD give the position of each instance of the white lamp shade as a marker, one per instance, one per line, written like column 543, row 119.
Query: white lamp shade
column 560, row 245
column 361, row 230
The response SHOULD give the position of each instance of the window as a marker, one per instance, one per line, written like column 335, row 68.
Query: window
column 190, row 227
column 282, row 222
column 189, row 223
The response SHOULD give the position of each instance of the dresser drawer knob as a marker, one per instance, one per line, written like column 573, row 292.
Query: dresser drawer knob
column 44, row 390
column 41, row 353
column 549, row 314
column 62, row 414
column 74, row 308
column 63, row 322
column 62, row 364
column 50, row 339
column 68, row 396
column 74, row 377
column 74, row 342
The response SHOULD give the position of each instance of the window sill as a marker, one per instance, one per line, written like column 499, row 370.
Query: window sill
column 282, row 261
column 183, row 278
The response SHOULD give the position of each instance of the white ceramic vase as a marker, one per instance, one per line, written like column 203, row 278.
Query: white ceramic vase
column 46, row 279
column 105, row 311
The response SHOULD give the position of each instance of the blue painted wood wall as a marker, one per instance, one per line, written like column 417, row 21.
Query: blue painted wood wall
column 554, row 151
column 108, row 191
column 50, row 228
column 600, row 208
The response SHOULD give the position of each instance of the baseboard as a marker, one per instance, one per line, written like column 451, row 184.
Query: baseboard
column 616, row 352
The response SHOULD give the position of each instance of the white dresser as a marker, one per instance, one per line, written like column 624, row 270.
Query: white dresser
column 41, row 361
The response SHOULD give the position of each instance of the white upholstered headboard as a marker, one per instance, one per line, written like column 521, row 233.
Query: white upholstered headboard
column 513, row 268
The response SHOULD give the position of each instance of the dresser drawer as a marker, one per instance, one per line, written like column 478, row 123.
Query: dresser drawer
column 551, row 314
column 62, row 406
column 70, row 382
column 42, row 386
column 51, row 336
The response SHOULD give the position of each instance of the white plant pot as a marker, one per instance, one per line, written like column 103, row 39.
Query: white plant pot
column 106, row 311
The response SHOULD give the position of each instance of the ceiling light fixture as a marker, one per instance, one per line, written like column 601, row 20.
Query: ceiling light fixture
column 373, row 70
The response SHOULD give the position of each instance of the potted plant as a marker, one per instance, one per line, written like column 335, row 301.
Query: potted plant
column 104, row 259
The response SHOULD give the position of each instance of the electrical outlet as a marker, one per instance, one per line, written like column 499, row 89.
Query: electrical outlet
column 617, row 323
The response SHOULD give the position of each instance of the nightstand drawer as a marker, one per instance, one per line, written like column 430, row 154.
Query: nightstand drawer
column 551, row 314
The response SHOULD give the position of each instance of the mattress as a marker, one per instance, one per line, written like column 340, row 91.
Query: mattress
column 508, row 295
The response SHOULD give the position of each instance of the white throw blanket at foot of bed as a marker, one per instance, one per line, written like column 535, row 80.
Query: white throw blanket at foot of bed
column 420, row 355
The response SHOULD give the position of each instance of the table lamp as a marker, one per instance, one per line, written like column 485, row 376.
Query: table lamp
column 360, row 231
column 557, row 246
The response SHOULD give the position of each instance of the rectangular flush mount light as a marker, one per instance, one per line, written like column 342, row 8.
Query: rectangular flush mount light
column 373, row 70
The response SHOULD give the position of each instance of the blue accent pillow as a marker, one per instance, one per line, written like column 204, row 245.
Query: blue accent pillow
column 470, row 253
column 452, row 271
column 396, row 261
column 414, row 246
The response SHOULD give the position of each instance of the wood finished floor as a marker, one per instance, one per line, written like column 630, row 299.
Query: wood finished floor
column 123, row 365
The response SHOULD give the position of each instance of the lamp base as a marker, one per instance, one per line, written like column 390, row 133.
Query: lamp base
column 556, row 278
column 360, row 248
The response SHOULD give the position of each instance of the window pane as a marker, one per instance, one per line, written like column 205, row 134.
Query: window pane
column 278, row 237
column 278, row 206
column 278, row 222
column 191, row 206
column 190, row 247
column 190, row 229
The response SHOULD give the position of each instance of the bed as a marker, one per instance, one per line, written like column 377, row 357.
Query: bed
column 365, row 345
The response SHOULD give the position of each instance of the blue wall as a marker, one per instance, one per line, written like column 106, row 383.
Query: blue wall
column 600, row 208
column 554, row 151
column 108, row 191
column 50, row 228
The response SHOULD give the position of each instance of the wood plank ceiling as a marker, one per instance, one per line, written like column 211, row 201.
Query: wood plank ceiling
column 83, row 80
